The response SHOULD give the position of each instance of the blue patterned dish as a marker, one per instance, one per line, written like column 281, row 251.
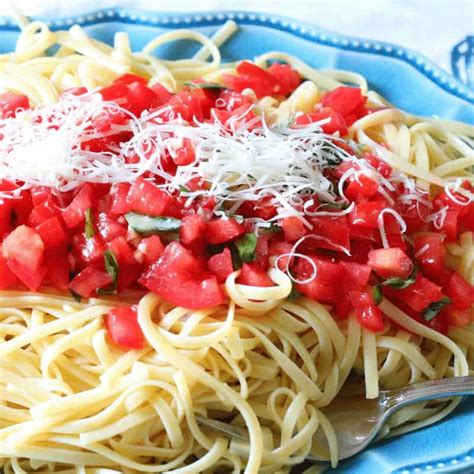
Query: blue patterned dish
column 405, row 78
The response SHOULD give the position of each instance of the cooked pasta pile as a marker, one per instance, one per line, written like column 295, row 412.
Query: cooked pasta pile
column 71, row 401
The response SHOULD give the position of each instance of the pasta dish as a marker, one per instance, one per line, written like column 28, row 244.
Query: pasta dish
column 232, row 240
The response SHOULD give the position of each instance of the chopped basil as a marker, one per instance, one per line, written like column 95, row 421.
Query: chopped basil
column 204, row 85
column 147, row 225
column 434, row 308
column 76, row 296
column 183, row 189
column 246, row 247
column 400, row 283
column 89, row 226
column 339, row 205
column 112, row 268
column 377, row 294
column 294, row 293
column 272, row 228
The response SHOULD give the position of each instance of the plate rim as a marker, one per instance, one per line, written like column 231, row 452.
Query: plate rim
column 301, row 29
column 312, row 33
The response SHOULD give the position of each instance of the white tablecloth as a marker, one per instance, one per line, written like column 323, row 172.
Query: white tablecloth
column 433, row 28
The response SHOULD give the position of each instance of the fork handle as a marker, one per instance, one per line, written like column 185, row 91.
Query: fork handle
column 450, row 387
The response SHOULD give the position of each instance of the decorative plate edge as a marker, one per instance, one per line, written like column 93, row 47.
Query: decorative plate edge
column 296, row 27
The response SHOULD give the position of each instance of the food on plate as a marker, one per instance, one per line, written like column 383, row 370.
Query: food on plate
column 231, row 240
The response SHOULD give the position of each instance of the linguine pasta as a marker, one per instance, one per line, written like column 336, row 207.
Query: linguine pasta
column 73, row 402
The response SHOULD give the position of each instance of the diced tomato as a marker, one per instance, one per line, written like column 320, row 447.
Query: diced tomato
column 293, row 228
column 430, row 254
column 90, row 250
column 230, row 100
column 277, row 248
column 262, row 208
column 163, row 94
column 193, row 228
column 288, row 79
column 455, row 316
column 128, row 275
column 185, row 155
column 24, row 245
column 360, row 186
column 39, row 194
column 335, row 124
column 52, row 233
column 42, row 212
column 365, row 214
column 261, row 252
column 323, row 286
column 57, row 264
column 119, row 202
column 344, row 100
column 147, row 198
column 151, row 248
column 460, row 291
column 381, row 166
column 10, row 103
column 440, row 323
column 367, row 313
column 251, row 275
column 140, row 98
column 109, row 228
column 221, row 265
column 123, row 328
column 419, row 295
column 253, row 77
column 333, row 232
column 5, row 216
column 443, row 199
column 75, row 213
column 122, row 251
column 89, row 280
column 450, row 224
column 129, row 78
column 116, row 92
column 178, row 277
column 223, row 230
column 31, row 278
column 359, row 251
column 7, row 277
column 391, row 262
column 22, row 206
column 414, row 215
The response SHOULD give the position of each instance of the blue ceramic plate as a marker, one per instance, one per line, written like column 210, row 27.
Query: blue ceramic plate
column 404, row 77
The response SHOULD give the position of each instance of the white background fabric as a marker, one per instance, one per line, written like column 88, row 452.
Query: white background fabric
column 431, row 27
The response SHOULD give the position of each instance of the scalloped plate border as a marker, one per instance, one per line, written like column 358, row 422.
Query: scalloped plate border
column 303, row 30
column 308, row 32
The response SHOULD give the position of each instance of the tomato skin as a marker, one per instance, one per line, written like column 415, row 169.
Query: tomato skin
column 442, row 199
column 361, row 186
column 129, row 78
column 367, row 313
column 7, row 277
column 288, row 79
column 119, row 202
column 52, row 233
column 88, row 281
column 381, row 166
column 5, row 216
column 10, row 102
column 334, row 232
column 122, row 251
column 277, row 248
column 161, row 92
column 391, row 262
column 147, row 198
column 262, row 208
column 123, row 328
column 178, row 277
column 365, row 214
column 343, row 99
column 42, row 212
column 25, row 246
column 31, row 278
column 223, row 230
column 430, row 254
column 117, row 92
column 251, row 275
column 140, row 98
column 109, row 228
column 221, row 265
column 193, row 228
column 457, row 317
column 75, row 213
column 89, row 251
column 151, row 248
column 57, row 264
column 336, row 121
column 254, row 77
column 293, row 228
column 460, row 292
column 419, row 295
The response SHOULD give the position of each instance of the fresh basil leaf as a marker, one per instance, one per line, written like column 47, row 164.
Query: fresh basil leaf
column 146, row 225
column 271, row 229
column 246, row 247
column 183, row 189
column 294, row 293
column 112, row 268
column 434, row 308
column 76, row 296
column 400, row 283
column 339, row 206
column 377, row 294
column 204, row 85
column 89, row 226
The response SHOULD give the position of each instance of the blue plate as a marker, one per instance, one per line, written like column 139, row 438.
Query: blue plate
column 404, row 77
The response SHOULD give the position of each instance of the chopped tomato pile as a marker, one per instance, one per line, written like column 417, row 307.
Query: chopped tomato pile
column 104, row 238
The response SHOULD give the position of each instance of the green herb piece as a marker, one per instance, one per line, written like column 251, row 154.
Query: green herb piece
column 76, row 296
column 434, row 308
column 377, row 294
column 89, row 226
column 400, row 283
column 204, row 85
column 183, row 189
column 147, row 225
column 271, row 229
column 246, row 247
column 338, row 206
column 112, row 268
column 294, row 293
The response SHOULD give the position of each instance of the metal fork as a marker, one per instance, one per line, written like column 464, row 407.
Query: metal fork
column 356, row 419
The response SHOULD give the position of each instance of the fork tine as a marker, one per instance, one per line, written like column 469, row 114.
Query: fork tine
column 225, row 428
